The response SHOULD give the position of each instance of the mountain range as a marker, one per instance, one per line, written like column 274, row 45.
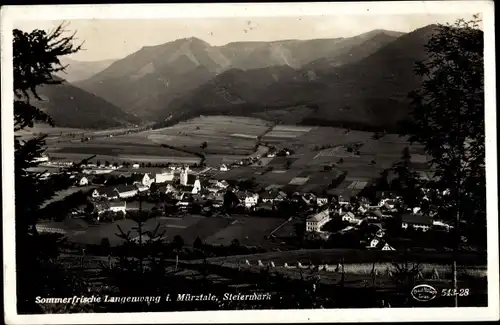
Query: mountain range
column 81, row 70
column 70, row 106
column 362, row 79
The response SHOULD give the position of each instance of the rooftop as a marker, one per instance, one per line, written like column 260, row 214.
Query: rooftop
column 319, row 216
column 125, row 188
column 107, row 190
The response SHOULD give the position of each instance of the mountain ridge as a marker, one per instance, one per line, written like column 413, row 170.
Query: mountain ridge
column 70, row 106
column 146, row 82
column 372, row 90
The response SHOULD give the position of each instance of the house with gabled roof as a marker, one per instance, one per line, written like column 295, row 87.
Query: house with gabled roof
column 321, row 200
column 126, row 191
column 166, row 175
column 309, row 198
column 83, row 181
column 352, row 218
column 248, row 199
column 379, row 243
column 318, row 220
column 112, row 206
column 145, row 179
column 166, row 188
column 105, row 192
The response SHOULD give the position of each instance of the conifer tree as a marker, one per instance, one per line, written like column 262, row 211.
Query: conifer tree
column 35, row 62
column 448, row 118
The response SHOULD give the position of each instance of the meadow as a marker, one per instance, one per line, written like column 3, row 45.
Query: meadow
column 223, row 135
column 249, row 231
column 226, row 139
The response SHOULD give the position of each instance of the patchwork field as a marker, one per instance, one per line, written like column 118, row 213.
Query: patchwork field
column 226, row 139
column 249, row 231
column 221, row 134
column 293, row 115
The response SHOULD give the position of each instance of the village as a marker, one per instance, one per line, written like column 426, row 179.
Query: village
column 340, row 218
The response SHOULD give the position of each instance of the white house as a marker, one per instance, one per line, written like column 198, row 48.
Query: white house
column 135, row 166
column 164, row 176
column 388, row 247
column 374, row 242
column 309, row 198
column 117, row 206
column 184, row 176
column 223, row 168
column 222, row 184
column 351, row 218
column 388, row 203
column 126, row 191
column 196, row 187
column 144, row 179
column 320, row 201
column 83, row 181
column 315, row 222
column 251, row 199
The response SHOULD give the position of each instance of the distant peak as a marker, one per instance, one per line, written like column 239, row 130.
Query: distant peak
column 376, row 32
column 196, row 40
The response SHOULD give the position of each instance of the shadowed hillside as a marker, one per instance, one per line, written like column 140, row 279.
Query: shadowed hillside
column 70, row 106
column 150, row 82
column 370, row 91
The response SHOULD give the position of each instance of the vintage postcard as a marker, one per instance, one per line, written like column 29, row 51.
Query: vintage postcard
column 241, row 163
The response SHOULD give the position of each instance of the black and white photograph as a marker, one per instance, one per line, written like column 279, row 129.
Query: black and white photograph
column 304, row 162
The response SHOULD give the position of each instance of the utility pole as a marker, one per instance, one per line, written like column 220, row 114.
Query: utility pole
column 342, row 279
column 81, row 261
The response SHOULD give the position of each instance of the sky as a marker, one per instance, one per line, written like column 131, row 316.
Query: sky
column 116, row 38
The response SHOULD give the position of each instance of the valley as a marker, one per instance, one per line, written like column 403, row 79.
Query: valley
column 230, row 140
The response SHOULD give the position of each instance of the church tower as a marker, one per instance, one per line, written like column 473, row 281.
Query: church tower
column 184, row 176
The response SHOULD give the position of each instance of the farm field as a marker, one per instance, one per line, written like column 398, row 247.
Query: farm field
column 229, row 139
column 121, row 158
column 293, row 115
column 222, row 134
column 249, row 231
column 93, row 234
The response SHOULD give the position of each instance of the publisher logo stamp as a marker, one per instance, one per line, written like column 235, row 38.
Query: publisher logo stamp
column 423, row 292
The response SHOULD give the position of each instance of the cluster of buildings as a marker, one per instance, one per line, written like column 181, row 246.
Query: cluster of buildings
column 354, row 215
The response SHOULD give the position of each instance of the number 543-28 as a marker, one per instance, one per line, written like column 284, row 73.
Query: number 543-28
column 455, row 292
